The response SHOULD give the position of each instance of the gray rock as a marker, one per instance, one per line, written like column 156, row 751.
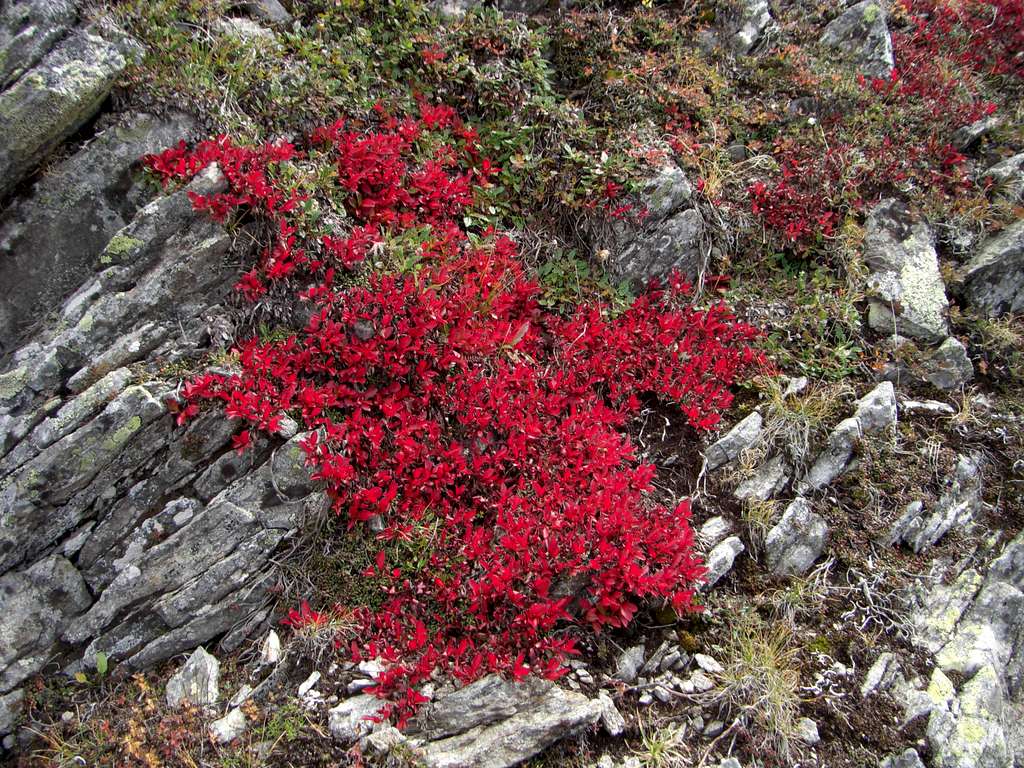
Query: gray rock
column 51, row 101
column 970, row 733
column 611, row 719
column 720, row 560
column 755, row 19
column 28, row 31
column 537, row 724
column 629, row 663
column 909, row 294
column 350, row 721
column 792, row 546
column 881, row 676
column 268, row 10
column 968, row 135
column 735, row 441
column 927, row 407
column 907, row 759
column 807, row 731
column 36, row 500
column 768, row 479
column 38, row 603
column 51, row 241
column 994, row 277
column 668, row 239
column 196, row 682
column 228, row 728
column 714, row 530
column 1008, row 177
column 958, row 504
column 10, row 710
column 875, row 411
column 834, row 457
column 862, row 34
column 947, row 367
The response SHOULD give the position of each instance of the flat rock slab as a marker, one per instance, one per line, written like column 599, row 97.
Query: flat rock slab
column 910, row 296
column 994, row 277
column 54, row 99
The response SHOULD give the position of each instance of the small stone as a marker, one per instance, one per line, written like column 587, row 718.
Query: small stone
column 670, row 660
column 701, row 682
column 927, row 407
column 730, row 762
column 308, row 683
column 359, row 684
column 9, row 741
column 807, row 731
column 611, row 718
column 880, row 676
column 270, row 651
column 792, row 546
column 241, row 696
column 734, row 442
column 196, row 682
column 371, row 668
column 714, row 728
column 645, row 699
column 382, row 740
column 349, row 720
column 768, row 479
column 720, row 560
column 708, row 664
column 907, row 759
column 947, row 366
column 795, row 387
column 967, row 135
column 663, row 694
column 229, row 727
column 628, row 666
column 862, row 34
column 714, row 530
column 67, row 716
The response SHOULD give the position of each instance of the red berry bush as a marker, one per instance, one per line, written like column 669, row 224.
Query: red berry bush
column 447, row 409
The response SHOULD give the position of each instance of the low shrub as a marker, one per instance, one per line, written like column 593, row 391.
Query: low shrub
column 484, row 436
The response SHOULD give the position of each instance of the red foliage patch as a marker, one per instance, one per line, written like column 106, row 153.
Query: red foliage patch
column 475, row 428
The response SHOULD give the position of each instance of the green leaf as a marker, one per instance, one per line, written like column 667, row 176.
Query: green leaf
column 101, row 663
column 81, row 678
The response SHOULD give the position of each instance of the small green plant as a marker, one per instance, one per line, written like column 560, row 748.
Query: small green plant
column 760, row 683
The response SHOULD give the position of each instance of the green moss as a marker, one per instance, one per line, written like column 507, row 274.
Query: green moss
column 119, row 246
column 13, row 382
column 124, row 432
column 871, row 13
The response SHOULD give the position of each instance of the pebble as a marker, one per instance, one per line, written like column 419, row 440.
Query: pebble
column 646, row 699
column 663, row 694
column 701, row 682
column 359, row 684
column 308, row 684
column 807, row 731
column 714, row 728
column 239, row 698
column 707, row 663
column 270, row 651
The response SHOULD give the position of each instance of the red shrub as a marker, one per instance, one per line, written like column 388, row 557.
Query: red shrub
column 481, row 431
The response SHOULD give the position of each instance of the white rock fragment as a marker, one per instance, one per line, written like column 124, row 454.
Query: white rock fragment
column 229, row 727
column 196, row 682
column 270, row 651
